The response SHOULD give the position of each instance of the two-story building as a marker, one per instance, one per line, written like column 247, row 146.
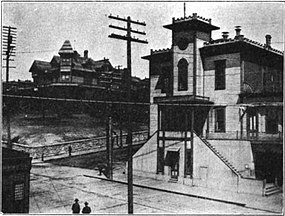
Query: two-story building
column 216, row 110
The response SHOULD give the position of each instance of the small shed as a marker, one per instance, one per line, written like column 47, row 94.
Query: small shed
column 16, row 166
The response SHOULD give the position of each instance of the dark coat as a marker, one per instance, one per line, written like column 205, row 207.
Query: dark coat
column 86, row 210
column 76, row 208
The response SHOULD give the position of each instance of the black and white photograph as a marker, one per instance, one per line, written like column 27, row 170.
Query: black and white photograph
column 142, row 107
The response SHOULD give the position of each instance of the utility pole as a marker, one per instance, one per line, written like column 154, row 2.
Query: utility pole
column 129, row 39
column 109, row 129
column 9, row 33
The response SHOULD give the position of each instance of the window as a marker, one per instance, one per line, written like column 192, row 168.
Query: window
column 220, row 119
column 182, row 75
column 19, row 191
column 65, row 77
column 66, row 60
column 220, row 79
column 271, row 123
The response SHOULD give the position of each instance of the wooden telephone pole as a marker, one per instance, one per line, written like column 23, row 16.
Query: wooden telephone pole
column 9, row 43
column 129, row 39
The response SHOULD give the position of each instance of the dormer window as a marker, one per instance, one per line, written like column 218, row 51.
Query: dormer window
column 182, row 75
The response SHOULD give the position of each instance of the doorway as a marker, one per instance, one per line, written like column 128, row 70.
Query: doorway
column 172, row 160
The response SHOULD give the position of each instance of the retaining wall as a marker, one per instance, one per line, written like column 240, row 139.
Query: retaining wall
column 93, row 144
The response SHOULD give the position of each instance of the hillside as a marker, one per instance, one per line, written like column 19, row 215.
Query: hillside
column 34, row 130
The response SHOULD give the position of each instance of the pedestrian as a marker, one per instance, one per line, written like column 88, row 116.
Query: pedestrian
column 101, row 167
column 76, row 207
column 86, row 209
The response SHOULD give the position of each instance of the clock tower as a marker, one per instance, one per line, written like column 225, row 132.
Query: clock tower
column 188, row 35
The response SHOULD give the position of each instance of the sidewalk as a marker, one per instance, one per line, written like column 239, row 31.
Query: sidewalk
column 271, row 204
column 53, row 189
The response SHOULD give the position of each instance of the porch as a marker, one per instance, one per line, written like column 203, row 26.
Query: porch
column 246, row 135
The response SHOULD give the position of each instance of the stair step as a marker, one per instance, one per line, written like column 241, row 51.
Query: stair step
column 277, row 190
column 272, row 189
column 173, row 180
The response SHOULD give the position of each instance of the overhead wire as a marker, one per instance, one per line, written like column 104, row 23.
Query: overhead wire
column 141, row 103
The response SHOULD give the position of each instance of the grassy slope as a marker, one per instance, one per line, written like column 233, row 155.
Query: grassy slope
column 34, row 131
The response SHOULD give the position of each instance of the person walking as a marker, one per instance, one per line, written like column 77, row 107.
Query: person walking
column 86, row 209
column 76, row 207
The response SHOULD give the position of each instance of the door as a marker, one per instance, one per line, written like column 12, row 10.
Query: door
column 172, row 161
column 174, row 170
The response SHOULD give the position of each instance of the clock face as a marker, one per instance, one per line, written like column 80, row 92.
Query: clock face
column 183, row 43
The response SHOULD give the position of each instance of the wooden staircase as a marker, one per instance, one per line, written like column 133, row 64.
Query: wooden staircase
column 216, row 152
column 271, row 189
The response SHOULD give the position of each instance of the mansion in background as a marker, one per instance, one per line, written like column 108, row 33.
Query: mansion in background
column 216, row 114
column 70, row 75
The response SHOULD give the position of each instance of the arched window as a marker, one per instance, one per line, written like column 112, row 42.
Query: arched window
column 182, row 75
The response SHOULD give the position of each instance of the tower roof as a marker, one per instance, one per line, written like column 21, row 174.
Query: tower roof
column 193, row 23
column 66, row 48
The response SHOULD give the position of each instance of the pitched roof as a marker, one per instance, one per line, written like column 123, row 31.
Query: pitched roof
column 55, row 59
column 40, row 65
column 100, row 63
column 66, row 48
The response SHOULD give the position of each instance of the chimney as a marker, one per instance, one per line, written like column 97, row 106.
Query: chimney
column 238, row 30
column 225, row 35
column 194, row 15
column 86, row 54
column 268, row 41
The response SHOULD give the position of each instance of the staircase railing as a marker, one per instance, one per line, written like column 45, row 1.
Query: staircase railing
column 216, row 152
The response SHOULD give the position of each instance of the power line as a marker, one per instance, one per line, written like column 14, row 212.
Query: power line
column 36, row 51
column 129, row 40
column 266, row 104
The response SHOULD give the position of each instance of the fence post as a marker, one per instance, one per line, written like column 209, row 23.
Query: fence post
column 69, row 150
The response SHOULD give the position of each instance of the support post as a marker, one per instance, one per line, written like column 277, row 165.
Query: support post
column 163, row 150
column 185, row 144
column 158, row 131
column 192, row 141
column 108, row 134
column 130, row 155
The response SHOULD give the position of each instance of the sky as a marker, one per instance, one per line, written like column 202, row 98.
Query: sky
column 42, row 27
